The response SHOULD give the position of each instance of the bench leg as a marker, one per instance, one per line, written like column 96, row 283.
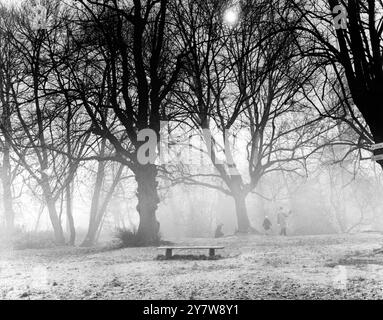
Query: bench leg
column 168, row 253
column 211, row 252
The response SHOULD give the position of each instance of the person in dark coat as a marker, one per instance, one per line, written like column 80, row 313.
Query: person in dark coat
column 267, row 225
column 218, row 231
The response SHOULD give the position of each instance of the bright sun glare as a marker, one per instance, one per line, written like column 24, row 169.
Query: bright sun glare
column 231, row 16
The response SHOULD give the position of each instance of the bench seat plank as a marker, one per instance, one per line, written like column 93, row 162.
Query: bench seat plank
column 191, row 248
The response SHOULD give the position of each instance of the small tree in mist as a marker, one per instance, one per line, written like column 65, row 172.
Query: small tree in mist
column 42, row 133
column 8, row 74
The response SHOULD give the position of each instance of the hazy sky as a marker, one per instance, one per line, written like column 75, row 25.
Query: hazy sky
column 11, row 1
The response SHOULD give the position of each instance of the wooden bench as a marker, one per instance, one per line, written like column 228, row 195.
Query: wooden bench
column 169, row 250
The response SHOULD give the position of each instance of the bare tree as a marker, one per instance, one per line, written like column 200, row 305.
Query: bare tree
column 246, row 79
column 41, row 130
column 8, row 72
column 129, row 62
column 347, row 36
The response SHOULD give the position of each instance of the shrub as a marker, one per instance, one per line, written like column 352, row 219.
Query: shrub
column 130, row 238
column 33, row 240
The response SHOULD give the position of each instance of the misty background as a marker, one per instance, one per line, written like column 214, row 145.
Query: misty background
column 296, row 138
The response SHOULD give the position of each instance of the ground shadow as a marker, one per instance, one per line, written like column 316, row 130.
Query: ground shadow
column 189, row 257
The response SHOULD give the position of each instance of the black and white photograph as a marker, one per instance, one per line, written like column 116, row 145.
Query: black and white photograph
column 208, row 152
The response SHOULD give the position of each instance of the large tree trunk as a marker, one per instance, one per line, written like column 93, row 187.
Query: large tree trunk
column 239, row 195
column 148, row 200
column 7, row 191
column 373, row 114
column 241, row 211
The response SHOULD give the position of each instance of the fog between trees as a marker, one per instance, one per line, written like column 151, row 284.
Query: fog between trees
column 280, row 107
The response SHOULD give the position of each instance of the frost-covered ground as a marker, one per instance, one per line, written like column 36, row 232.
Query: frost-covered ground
column 253, row 267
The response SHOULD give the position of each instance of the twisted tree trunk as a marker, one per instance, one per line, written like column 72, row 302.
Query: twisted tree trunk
column 51, row 205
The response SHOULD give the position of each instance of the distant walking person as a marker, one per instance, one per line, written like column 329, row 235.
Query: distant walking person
column 267, row 225
column 218, row 231
column 282, row 221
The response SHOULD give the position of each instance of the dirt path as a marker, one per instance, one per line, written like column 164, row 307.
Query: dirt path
column 315, row 267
